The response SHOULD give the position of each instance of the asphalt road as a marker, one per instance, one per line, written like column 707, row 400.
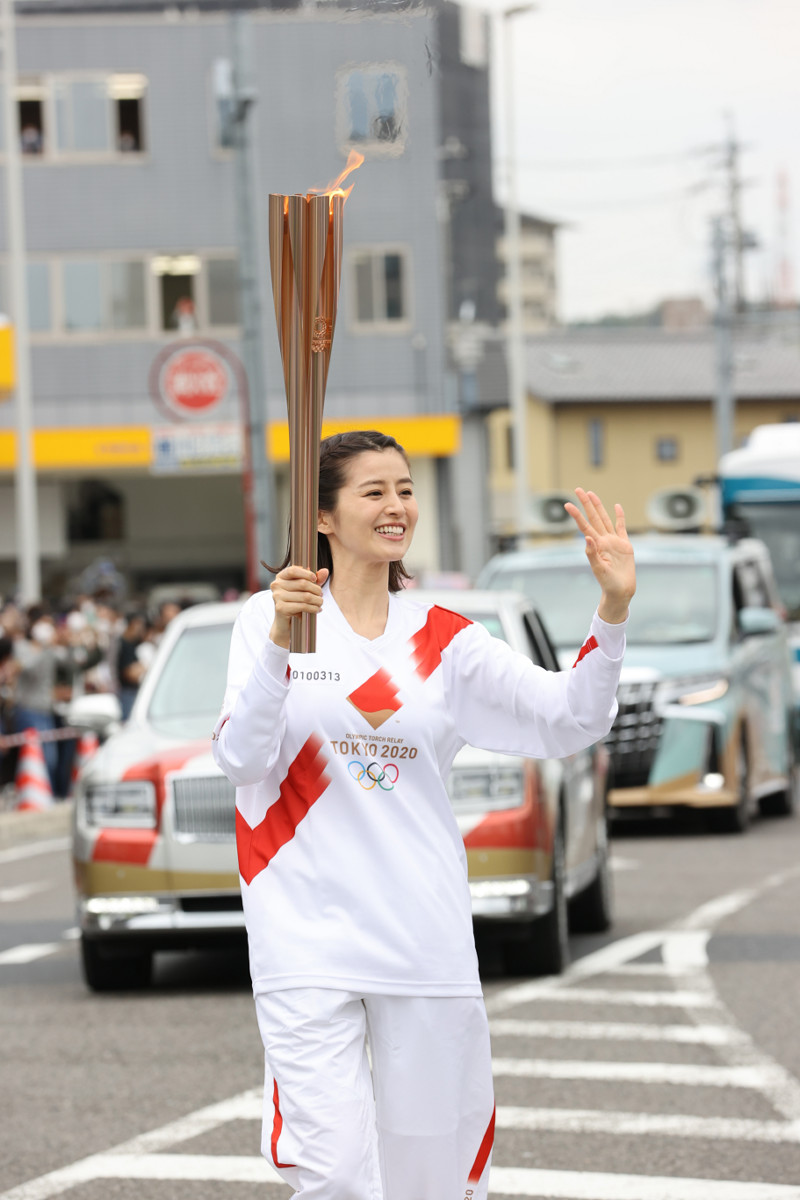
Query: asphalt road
column 663, row 1066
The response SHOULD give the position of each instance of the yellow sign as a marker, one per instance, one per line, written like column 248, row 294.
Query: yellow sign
column 428, row 437
column 120, row 447
column 8, row 361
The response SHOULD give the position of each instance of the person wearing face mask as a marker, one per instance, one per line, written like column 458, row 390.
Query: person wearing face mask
column 35, row 661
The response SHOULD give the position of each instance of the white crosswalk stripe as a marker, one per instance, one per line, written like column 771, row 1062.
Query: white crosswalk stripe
column 28, row 953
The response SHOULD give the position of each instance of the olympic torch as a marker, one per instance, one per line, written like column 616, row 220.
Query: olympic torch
column 305, row 250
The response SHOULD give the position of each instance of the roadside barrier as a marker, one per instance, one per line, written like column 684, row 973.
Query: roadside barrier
column 32, row 781
column 87, row 747
column 9, row 740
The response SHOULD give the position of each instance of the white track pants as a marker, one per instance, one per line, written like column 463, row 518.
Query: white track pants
column 419, row 1126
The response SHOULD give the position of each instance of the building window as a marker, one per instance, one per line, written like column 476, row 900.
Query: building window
column 473, row 42
column 99, row 115
column 100, row 296
column 223, row 291
column 596, row 432
column 127, row 306
column 667, row 449
column 372, row 109
column 30, row 110
column 380, row 287
column 95, row 512
column 40, row 318
column 177, row 275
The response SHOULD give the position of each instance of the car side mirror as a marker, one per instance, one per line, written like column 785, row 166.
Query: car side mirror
column 753, row 622
column 96, row 711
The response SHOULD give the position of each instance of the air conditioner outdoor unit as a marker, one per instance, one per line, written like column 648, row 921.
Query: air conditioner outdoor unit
column 678, row 509
column 546, row 513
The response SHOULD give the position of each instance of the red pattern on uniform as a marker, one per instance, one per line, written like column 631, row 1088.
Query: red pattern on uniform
column 479, row 1165
column 277, row 1127
column 304, row 784
column 586, row 648
column 378, row 693
column 435, row 636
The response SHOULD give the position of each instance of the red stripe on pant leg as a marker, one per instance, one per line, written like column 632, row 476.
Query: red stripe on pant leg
column 479, row 1165
column 277, row 1126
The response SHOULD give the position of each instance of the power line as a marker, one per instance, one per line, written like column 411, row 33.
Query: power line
column 608, row 164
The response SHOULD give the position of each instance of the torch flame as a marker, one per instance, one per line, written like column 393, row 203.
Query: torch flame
column 354, row 161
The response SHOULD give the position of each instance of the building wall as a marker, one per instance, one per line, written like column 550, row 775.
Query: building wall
column 178, row 198
column 560, row 441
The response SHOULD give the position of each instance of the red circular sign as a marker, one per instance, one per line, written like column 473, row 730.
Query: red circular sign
column 193, row 381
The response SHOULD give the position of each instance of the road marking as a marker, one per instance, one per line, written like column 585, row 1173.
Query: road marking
column 629, row 1124
column 223, row 1168
column 686, row 1074
column 580, row 1185
column 506, row 1181
column 53, row 846
column 25, row 954
column 586, row 995
column 696, row 1035
column 659, row 970
column 606, row 959
column 13, row 895
column 623, row 864
column 686, row 950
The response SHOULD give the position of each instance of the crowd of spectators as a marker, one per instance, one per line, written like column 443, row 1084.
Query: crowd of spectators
column 50, row 655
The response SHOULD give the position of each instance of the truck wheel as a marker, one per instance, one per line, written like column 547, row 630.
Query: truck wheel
column 544, row 949
column 110, row 968
column 591, row 911
column 786, row 802
column 736, row 819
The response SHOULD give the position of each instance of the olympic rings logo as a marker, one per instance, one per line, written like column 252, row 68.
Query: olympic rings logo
column 370, row 775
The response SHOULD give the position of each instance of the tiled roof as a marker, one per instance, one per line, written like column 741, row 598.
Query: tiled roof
column 651, row 364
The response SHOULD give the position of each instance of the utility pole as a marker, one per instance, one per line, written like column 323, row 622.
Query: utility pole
column 724, row 399
column 236, row 113
column 518, row 393
column 29, row 582
column 732, row 149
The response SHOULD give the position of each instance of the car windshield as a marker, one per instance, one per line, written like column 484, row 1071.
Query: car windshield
column 779, row 526
column 675, row 602
column 188, row 692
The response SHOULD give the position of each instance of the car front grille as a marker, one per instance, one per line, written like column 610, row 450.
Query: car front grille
column 635, row 734
column 205, row 808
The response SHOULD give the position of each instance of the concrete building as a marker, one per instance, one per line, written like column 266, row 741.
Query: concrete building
column 131, row 233
column 538, row 277
column 628, row 412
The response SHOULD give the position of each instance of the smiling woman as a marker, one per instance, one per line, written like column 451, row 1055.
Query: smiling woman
column 354, row 883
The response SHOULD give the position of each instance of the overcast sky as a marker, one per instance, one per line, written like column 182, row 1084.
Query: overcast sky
column 602, row 81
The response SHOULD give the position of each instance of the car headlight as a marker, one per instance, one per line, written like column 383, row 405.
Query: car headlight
column 478, row 789
column 692, row 689
column 129, row 805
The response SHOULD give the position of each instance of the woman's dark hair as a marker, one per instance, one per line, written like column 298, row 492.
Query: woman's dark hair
column 335, row 452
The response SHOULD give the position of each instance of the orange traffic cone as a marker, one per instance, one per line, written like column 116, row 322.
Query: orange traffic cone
column 32, row 779
column 88, row 744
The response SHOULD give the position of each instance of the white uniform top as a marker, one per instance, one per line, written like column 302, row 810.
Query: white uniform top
column 352, row 866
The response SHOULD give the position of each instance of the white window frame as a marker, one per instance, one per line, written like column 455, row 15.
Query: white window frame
column 74, row 336
column 215, row 255
column 404, row 324
column 58, row 334
column 372, row 147
column 41, row 335
column 43, row 87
